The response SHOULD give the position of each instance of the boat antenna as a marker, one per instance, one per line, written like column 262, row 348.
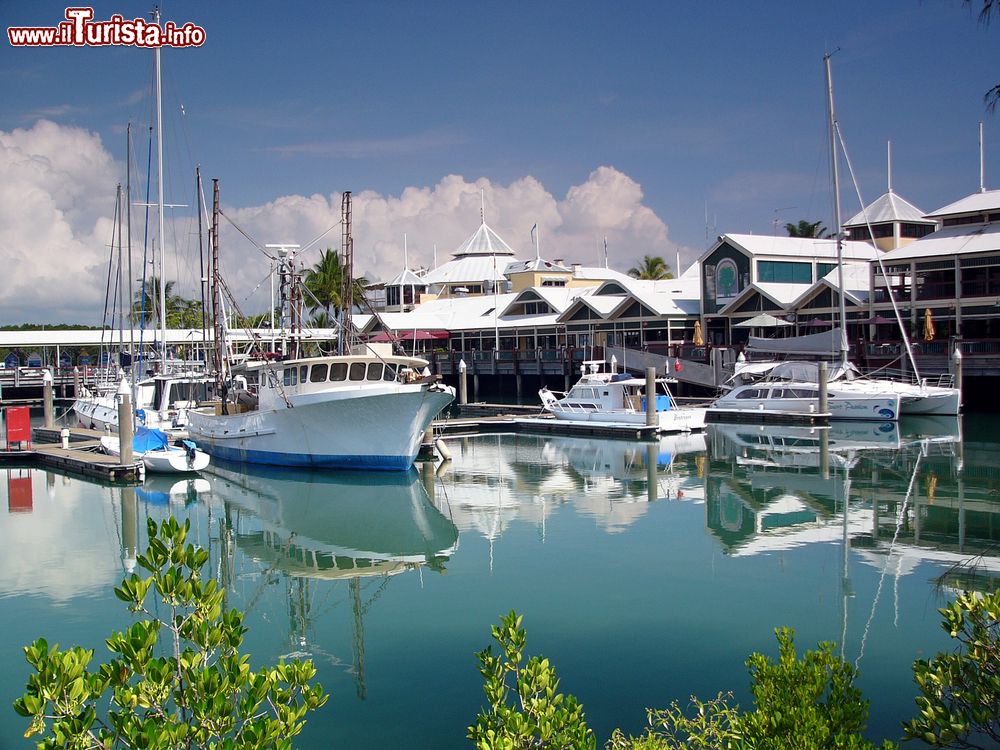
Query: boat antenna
column 836, row 209
column 159, row 196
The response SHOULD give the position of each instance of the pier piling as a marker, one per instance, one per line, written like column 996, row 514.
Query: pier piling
column 125, row 424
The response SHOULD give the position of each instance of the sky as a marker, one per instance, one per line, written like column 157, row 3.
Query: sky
column 658, row 125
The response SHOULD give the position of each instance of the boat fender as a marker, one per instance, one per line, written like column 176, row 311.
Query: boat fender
column 442, row 449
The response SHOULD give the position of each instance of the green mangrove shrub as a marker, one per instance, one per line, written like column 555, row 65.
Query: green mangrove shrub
column 176, row 679
column 523, row 708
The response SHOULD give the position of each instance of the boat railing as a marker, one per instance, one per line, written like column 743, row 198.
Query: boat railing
column 942, row 380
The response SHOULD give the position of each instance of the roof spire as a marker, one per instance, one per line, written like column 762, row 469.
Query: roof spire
column 482, row 204
column 534, row 236
column 406, row 265
column 888, row 149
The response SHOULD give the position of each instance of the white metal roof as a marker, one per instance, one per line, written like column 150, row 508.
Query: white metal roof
column 985, row 201
column 471, row 269
column 857, row 282
column 535, row 264
column 406, row 278
column 805, row 248
column 886, row 208
column 950, row 241
column 484, row 241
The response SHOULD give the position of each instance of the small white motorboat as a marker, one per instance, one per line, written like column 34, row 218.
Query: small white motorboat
column 157, row 454
column 607, row 397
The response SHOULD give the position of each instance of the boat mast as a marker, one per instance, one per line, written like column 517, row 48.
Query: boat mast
column 159, row 199
column 347, row 275
column 218, row 358
column 201, row 255
column 836, row 210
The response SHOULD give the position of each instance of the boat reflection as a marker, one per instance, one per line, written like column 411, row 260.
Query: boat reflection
column 334, row 525
column 495, row 480
column 897, row 495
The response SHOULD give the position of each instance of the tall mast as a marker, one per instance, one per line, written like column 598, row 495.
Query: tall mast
column 218, row 358
column 836, row 209
column 347, row 274
column 128, row 234
column 201, row 254
column 159, row 198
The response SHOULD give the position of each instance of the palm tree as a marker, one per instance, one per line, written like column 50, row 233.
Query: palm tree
column 987, row 11
column 807, row 229
column 651, row 267
column 325, row 283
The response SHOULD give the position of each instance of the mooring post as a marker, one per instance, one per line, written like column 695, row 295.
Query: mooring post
column 651, row 397
column 47, row 396
column 652, row 453
column 821, row 382
column 76, row 382
column 824, row 454
column 130, row 529
column 463, row 383
column 957, row 359
column 125, row 424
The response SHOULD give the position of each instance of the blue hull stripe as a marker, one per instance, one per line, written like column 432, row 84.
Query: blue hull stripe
column 367, row 463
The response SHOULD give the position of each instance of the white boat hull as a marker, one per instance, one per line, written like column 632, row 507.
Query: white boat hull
column 681, row 419
column 841, row 405
column 378, row 428
column 170, row 460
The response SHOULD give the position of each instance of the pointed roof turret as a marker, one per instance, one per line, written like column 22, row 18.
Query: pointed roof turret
column 484, row 241
column 886, row 208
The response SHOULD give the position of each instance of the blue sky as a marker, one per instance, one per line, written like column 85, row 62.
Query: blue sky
column 694, row 104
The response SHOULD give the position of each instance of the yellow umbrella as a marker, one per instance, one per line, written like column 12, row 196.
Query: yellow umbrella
column 928, row 325
column 698, row 339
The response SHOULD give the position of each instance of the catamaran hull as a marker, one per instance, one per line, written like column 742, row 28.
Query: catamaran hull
column 382, row 431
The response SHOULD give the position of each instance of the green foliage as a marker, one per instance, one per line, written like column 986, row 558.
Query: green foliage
column 524, row 710
column 807, row 704
column 651, row 267
column 959, row 701
column 807, row 229
column 202, row 693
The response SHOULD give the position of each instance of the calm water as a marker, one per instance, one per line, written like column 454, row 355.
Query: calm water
column 645, row 572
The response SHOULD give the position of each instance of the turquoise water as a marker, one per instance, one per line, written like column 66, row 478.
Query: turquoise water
column 640, row 592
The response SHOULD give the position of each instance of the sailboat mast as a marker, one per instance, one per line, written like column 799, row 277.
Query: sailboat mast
column 836, row 209
column 201, row 254
column 159, row 198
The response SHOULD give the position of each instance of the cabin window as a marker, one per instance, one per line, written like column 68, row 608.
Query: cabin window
column 357, row 371
column 375, row 371
column 753, row 393
column 303, row 373
column 290, row 376
column 390, row 372
column 338, row 371
column 799, row 393
column 318, row 373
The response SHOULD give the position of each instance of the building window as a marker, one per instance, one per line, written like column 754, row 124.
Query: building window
column 915, row 231
column 822, row 269
column 784, row 272
column 553, row 282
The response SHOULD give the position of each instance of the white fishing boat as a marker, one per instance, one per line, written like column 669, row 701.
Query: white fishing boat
column 363, row 408
column 162, row 401
column 158, row 455
column 603, row 396
column 367, row 410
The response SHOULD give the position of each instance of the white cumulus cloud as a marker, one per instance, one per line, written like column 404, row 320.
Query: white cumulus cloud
column 57, row 207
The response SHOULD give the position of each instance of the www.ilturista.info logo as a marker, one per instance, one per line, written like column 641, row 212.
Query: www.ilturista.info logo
column 80, row 30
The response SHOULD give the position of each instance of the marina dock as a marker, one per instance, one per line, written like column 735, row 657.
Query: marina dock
column 82, row 457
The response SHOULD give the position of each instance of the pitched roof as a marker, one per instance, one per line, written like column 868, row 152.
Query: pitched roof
column 800, row 247
column 950, row 241
column 535, row 264
column 988, row 200
column 887, row 208
column 484, row 241
column 406, row 278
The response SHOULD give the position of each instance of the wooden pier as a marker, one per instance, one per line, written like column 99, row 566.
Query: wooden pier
column 82, row 457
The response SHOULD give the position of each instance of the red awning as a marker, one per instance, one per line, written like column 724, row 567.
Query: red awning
column 411, row 335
